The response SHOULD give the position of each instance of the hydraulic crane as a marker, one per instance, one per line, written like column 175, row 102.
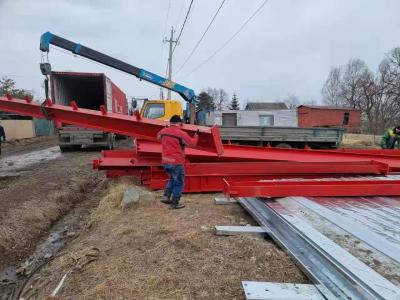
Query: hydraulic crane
column 170, row 107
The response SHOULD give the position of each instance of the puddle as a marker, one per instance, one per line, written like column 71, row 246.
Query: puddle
column 10, row 164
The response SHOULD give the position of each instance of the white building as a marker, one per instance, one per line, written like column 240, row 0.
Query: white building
column 255, row 114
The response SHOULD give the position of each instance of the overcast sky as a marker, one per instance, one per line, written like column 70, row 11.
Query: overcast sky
column 289, row 47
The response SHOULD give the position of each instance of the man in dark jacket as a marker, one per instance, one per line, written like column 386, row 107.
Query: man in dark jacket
column 2, row 136
column 173, row 140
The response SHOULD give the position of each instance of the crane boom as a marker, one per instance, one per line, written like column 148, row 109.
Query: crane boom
column 48, row 39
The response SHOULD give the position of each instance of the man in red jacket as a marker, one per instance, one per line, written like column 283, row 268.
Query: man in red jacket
column 173, row 141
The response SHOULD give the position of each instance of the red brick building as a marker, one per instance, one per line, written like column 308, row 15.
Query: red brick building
column 329, row 116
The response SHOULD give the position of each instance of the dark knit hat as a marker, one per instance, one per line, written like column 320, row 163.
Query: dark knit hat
column 175, row 119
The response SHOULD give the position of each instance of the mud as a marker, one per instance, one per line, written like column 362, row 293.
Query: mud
column 14, row 165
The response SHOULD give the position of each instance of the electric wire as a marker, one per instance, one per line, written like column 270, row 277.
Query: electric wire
column 202, row 37
column 166, row 18
column 163, row 48
column 183, row 25
column 228, row 40
column 165, row 30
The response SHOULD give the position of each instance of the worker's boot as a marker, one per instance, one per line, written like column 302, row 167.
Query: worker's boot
column 175, row 204
column 166, row 198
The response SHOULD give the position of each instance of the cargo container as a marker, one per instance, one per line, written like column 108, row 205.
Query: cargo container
column 88, row 90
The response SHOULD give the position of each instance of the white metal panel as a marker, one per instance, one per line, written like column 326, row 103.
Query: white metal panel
column 280, row 291
column 109, row 94
column 282, row 117
column 235, row 230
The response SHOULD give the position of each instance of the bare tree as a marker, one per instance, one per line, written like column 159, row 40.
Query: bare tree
column 331, row 91
column 220, row 97
column 355, row 77
column 385, row 107
column 377, row 96
column 291, row 101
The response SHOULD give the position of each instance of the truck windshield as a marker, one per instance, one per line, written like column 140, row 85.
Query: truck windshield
column 154, row 110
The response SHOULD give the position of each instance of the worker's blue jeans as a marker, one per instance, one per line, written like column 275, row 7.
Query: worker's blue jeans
column 176, row 174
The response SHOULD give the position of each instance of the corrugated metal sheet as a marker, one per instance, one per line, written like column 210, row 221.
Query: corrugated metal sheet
column 368, row 227
column 379, row 215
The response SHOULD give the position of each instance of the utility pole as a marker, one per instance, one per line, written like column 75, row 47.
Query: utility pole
column 171, row 41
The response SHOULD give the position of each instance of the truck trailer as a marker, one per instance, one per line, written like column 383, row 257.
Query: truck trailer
column 88, row 90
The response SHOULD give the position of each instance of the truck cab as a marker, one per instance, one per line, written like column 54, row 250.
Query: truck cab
column 161, row 109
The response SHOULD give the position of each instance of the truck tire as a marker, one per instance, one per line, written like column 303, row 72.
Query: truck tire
column 283, row 145
column 69, row 148
column 66, row 148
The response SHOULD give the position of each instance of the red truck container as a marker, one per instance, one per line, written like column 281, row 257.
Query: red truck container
column 88, row 90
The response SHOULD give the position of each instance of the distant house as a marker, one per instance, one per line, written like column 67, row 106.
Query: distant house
column 276, row 117
column 255, row 114
column 329, row 116
column 265, row 106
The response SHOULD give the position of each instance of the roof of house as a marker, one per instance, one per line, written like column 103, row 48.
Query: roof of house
column 328, row 107
column 265, row 105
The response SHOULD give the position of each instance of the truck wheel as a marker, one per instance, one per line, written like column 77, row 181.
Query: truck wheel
column 65, row 148
column 283, row 145
column 69, row 148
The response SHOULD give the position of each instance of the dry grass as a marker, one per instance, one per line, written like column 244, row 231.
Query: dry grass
column 150, row 252
column 23, row 224
column 352, row 140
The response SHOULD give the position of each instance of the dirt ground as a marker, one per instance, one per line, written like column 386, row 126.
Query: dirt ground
column 146, row 252
column 36, row 196
column 151, row 252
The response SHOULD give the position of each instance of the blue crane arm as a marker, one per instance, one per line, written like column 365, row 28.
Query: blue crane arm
column 48, row 39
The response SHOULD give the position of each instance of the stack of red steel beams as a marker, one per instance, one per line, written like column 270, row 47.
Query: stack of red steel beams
column 206, row 171
column 213, row 166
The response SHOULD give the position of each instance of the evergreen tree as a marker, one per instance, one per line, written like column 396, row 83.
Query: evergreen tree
column 206, row 102
column 234, row 105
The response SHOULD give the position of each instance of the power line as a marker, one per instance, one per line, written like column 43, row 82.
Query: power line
column 183, row 25
column 163, row 48
column 165, row 29
column 179, row 15
column 229, row 40
column 202, row 37
column 166, row 18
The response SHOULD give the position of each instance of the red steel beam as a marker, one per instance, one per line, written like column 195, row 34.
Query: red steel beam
column 236, row 153
column 323, row 188
column 208, row 184
column 374, row 152
column 283, row 168
column 251, row 168
column 209, row 177
column 135, row 126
